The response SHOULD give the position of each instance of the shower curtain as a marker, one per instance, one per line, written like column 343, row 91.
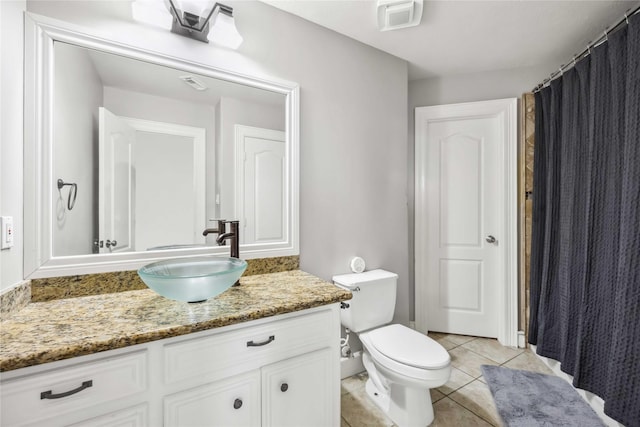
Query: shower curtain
column 585, row 254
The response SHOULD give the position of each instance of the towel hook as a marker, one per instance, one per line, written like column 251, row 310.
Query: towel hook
column 74, row 190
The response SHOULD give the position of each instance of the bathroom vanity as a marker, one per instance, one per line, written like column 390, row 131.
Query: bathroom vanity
column 264, row 353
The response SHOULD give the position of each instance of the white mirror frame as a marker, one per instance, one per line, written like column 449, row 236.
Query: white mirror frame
column 40, row 35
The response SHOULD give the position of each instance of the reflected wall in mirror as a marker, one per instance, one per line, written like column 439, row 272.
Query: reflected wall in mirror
column 158, row 148
column 153, row 152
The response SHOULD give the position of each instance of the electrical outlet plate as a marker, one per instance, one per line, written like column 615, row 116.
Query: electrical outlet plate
column 7, row 232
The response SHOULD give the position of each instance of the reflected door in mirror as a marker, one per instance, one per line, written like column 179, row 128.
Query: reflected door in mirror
column 116, row 189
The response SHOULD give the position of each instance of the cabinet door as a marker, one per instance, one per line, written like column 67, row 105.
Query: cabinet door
column 130, row 417
column 297, row 392
column 230, row 403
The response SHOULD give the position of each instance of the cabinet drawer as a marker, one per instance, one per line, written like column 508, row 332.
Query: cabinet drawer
column 58, row 391
column 229, row 353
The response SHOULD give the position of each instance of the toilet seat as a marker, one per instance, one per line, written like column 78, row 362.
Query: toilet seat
column 409, row 347
column 392, row 345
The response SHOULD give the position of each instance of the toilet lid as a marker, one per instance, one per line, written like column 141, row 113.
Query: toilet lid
column 409, row 347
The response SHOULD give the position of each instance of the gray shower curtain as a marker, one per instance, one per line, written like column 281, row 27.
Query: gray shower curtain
column 585, row 254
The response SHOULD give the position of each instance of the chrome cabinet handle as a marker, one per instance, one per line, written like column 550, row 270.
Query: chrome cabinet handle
column 49, row 394
column 259, row 344
column 490, row 239
column 111, row 243
column 237, row 404
column 284, row 387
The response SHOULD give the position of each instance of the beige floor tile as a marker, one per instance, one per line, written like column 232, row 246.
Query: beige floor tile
column 353, row 383
column 528, row 361
column 359, row 411
column 436, row 335
column 468, row 361
column 456, row 380
column 477, row 398
column 458, row 339
column 450, row 414
column 343, row 423
column 435, row 395
column 448, row 345
column 492, row 349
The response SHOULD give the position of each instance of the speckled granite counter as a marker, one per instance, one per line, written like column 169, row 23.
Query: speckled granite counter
column 55, row 330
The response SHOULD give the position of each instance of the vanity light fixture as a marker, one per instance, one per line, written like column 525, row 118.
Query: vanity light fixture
column 203, row 20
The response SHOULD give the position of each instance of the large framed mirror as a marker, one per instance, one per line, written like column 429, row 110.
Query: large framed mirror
column 131, row 155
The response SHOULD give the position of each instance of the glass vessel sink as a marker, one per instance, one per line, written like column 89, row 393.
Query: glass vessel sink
column 192, row 279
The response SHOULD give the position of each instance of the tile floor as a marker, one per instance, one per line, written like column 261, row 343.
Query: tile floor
column 464, row 401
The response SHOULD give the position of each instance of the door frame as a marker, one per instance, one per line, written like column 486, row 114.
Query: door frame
column 506, row 109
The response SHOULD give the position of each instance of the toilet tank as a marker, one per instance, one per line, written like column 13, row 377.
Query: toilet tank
column 373, row 302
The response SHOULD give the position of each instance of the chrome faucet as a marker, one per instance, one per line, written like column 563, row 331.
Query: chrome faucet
column 234, row 236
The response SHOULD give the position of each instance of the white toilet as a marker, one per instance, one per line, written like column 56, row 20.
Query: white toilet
column 402, row 364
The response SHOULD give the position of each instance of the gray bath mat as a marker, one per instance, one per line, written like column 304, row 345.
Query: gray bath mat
column 529, row 399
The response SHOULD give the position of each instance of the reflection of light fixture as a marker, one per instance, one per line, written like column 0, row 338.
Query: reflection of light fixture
column 198, row 19
column 194, row 83
column 396, row 14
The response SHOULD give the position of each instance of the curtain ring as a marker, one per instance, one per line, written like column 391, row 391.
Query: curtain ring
column 626, row 18
column 606, row 36
column 574, row 60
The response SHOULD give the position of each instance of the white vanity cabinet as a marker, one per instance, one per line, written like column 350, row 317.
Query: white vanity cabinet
column 277, row 371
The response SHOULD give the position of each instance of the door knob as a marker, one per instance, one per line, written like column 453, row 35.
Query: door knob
column 490, row 239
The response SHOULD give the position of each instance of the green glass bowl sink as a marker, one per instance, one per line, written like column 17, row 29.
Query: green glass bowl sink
column 192, row 279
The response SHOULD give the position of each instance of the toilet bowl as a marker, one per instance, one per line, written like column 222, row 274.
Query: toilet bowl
column 402, row 364
column 400, row 376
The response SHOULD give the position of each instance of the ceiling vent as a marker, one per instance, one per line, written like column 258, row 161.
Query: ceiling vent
column 396, row 14
column 194, row 83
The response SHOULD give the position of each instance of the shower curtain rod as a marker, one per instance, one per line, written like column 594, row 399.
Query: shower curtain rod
column 604, row 37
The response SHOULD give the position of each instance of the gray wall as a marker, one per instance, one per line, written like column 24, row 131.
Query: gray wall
column 353, row 125
column 452, row 90
column 75, row 131
column 11, row 105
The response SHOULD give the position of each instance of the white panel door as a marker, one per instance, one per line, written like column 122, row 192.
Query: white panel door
column 260, row 184
column 116, row 188
column 460, row 218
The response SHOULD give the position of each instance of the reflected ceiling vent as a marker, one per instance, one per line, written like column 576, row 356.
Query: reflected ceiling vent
column 396, row 14
column 194, row 83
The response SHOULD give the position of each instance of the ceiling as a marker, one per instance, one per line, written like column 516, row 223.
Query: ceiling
column 460, row 37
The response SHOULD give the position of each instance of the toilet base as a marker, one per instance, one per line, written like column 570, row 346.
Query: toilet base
column 406, row 406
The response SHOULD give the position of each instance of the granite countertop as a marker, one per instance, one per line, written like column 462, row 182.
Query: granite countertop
column 48, row 331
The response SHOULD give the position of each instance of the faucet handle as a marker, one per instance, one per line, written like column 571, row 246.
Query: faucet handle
column 220, row 230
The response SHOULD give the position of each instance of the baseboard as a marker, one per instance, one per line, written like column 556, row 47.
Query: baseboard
column 351, row 365
column 594, row 401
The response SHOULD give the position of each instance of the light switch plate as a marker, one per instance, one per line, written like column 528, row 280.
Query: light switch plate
column 7, row 232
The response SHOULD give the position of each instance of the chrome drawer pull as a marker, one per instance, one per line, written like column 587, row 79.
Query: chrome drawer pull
column 49, row 394
column 258, row 344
